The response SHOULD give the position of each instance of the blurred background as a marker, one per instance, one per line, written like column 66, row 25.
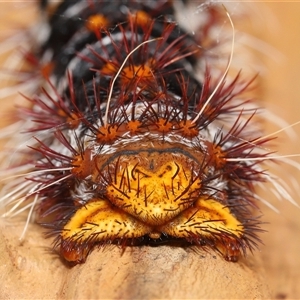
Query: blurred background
column 280, row 90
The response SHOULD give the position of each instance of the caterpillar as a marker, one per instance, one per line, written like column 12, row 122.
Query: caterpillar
column 127, row 145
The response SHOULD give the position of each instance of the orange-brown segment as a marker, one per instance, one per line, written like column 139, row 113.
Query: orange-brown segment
column 153, row 196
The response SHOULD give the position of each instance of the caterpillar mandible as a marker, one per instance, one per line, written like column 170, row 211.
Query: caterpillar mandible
column 127, row 145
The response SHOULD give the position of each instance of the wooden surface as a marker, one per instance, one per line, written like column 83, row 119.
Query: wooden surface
column 30, row 270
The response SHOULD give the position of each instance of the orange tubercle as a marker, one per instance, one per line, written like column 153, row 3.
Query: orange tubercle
column 133, row 126
column 82, row 165
column 164, row 125
column 96, row 22
column 188, row 129
column 107, row 133
column 141, row 18
column 139, row 72
column 47, row 69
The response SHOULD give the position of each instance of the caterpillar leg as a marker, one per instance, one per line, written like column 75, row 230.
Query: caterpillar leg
column 208, row 222
column 96, row 222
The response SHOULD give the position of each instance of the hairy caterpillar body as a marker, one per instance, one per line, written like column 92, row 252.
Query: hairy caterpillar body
column 130, row 146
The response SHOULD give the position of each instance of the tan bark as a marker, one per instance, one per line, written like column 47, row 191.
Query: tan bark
column 31, row 271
